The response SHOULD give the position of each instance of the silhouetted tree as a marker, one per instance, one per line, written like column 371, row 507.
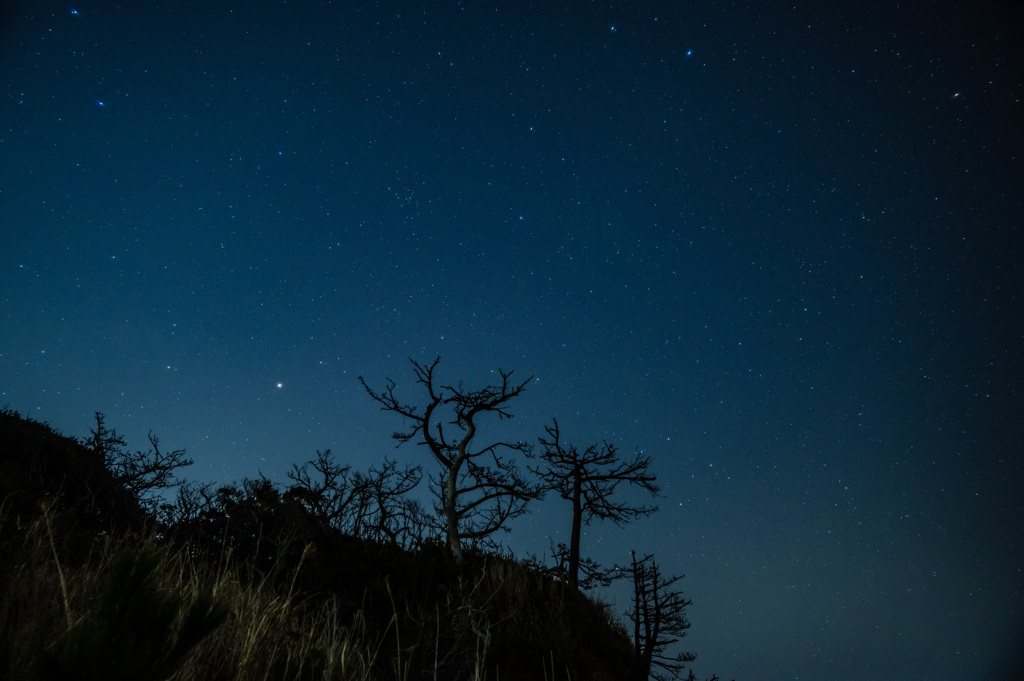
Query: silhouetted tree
column 326, row 489
column 589, row 478
column 658, row 616
column 143, row 473
column 37, row 464
column 390, row 515
column 191, row 501
column 371, row 505
column 478, row 489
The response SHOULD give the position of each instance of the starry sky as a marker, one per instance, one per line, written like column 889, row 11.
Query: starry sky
column 769, row 244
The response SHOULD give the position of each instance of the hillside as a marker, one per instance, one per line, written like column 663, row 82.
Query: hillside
column 100, row 581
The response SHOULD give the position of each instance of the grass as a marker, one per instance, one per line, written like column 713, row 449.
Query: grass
column 137, row 610
column 134, row 608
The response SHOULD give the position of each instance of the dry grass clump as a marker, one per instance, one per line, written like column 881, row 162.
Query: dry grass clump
column 137, row 610
column 133, row 607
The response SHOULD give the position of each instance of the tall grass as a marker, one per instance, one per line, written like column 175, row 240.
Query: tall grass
column 133, row 608
column 136, row 610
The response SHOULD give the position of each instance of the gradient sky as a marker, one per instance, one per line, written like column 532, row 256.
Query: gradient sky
column 771, row 244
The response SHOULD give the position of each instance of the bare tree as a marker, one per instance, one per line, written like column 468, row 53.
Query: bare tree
column 659, row 619
column 386, row 513
column 327, row 490
column 479, row 490
column 371, row 505
column 191, row 501
column 143, row 473
column 589, row 479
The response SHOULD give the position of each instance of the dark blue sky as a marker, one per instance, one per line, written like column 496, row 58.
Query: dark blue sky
column 772, row 245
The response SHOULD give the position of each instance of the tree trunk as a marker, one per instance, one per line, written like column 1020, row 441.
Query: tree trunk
column 454, row 540
column 577, row 522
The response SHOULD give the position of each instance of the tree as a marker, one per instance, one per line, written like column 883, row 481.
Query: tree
column 143, row 474
column 371, row 505
column 478, row 490
column 659, row 619
column 38, row 464
column 327, row 491
column 589, row 479
column 191, row 501
column 390, row 515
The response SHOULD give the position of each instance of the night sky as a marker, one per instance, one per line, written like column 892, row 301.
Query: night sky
column 772, row 245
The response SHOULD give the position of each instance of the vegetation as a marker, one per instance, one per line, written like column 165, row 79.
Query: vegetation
column 659, row 619
column 479, row 489
column 112, row 567
column 588, row 480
